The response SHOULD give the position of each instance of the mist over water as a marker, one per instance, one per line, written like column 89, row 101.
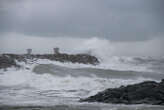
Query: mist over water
column 126, row 36
column 52, row 83
column 101, row 47
column 60, row 85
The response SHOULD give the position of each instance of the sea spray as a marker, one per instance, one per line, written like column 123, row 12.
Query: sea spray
column 101, row 48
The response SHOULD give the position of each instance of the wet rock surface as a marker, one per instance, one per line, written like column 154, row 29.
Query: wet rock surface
column 78, row 58
column 8, row 60
column 148, row 92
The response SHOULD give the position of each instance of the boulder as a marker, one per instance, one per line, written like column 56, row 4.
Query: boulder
column 7, row 61
column 148, row 92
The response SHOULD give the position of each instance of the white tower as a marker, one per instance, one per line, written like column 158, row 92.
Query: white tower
column 56, row 50
column 29, row 51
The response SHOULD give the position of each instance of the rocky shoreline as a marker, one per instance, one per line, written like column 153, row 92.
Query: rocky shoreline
column 148, row 92
column 9, row 60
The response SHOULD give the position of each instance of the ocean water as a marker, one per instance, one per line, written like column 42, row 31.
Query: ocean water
column 47, row 85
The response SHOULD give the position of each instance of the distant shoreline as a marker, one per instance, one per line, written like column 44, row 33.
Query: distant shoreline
column 9, row 60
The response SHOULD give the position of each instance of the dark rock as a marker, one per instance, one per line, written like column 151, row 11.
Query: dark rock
column 78, row 58
column 148, row 92
column 7, row 61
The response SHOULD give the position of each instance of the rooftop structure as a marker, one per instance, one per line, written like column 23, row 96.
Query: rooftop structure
column 56, row 50
column 29, row 51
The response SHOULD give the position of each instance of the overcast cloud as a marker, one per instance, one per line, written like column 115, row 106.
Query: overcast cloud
column 115, row 20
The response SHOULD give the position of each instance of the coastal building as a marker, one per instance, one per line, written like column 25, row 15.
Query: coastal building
column 56, row 50
column 29, row 51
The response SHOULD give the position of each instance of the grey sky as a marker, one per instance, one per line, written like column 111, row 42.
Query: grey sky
column 120, row 20
column 129, row 27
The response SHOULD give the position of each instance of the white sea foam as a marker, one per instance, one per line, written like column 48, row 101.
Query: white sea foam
column 53, row 85
column 82, row 86
column 22, row 86
column 115, row 63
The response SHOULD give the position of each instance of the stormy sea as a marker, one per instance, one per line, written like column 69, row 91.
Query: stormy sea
column 43, row 84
